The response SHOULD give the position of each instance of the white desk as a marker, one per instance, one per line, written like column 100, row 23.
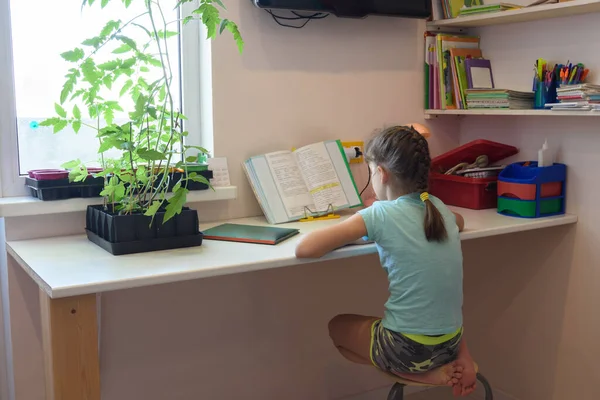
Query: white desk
column 71, row 265
column 70, row 271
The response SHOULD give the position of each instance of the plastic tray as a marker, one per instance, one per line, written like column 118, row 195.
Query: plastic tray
column 460, row 191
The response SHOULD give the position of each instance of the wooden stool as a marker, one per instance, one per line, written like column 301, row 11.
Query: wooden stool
column 397, row 392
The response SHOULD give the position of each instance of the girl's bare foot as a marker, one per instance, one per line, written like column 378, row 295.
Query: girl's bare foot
column 446, row 375
column 467, row 382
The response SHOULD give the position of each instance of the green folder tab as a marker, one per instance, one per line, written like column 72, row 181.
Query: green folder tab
column 250, row 234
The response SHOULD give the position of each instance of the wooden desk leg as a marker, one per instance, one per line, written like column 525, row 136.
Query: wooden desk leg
column 70, row 340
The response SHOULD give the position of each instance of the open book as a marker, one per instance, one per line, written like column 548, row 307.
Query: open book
column 309, row 181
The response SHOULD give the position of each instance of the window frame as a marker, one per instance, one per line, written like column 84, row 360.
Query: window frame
column 12, row 184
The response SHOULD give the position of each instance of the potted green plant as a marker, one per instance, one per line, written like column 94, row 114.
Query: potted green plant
column 146, row 184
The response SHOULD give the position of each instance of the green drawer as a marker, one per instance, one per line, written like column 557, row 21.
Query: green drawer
column 526, row 209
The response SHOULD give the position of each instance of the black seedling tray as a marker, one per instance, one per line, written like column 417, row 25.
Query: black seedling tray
column 61, row 189
column 137, row 233
column 148, row 245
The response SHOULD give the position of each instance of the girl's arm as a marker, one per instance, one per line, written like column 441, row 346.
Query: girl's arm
column 460, row 221
column 323, row 241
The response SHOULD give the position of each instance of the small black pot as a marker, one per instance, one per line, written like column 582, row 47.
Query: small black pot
column 136, row 233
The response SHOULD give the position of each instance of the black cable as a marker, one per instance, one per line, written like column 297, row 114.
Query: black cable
column 297, row 17
column 318, row 15
column 368, row 181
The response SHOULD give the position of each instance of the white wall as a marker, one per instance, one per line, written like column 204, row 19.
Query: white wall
column 260, row 335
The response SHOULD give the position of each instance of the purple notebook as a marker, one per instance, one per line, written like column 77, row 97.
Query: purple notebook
column 479, row 73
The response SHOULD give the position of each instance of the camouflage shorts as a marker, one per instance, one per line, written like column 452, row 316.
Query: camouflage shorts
column 395, row 353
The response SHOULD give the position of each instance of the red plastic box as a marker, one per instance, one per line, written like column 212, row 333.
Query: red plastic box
column 473, row 193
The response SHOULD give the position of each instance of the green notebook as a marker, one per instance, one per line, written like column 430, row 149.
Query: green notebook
column 249, row 234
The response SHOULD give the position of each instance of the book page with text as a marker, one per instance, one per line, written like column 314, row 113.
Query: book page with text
column 289, row 182
column 321, row 177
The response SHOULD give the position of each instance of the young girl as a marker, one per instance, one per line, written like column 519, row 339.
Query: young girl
column 417, row 238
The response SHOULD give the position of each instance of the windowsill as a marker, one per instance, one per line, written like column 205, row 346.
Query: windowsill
column 72, row 265
column 26, row 206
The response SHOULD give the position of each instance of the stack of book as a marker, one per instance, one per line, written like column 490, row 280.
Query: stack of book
column 446, row 72
column 487, row 8
column 499, row 98
column 443, row 9
column 579, row 97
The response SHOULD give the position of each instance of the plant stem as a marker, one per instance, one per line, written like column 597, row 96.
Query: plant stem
column 168, row 78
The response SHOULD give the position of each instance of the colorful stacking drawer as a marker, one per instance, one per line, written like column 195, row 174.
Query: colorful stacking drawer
column 529, row 191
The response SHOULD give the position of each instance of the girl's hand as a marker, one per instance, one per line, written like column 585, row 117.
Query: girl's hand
column 460, row 221
column 317, row 244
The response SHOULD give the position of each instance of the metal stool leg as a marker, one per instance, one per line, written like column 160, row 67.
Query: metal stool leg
column 397, row 392
column 489, row 395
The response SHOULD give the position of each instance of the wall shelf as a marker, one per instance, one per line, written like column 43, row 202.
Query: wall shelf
column 575, row 7
column 532, row 113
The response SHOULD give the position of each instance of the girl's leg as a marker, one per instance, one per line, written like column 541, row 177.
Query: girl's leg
column 351, row 335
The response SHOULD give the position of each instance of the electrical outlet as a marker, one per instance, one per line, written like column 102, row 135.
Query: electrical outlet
column 354, row 151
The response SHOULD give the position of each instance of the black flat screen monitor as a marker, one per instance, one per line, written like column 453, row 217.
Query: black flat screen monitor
column 354, row 8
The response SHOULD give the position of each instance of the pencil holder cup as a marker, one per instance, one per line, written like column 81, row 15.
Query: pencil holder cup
column 544, row 94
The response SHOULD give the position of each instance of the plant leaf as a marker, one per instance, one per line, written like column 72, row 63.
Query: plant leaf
column 119, row 192
column 166, row 34
column 126, row 87
column 127, row 3
column 122, row 49
column 130, row 62
column 220, row 3
column 71, row 164
column 76, row 125
column 237, row 36
column 94, row 42
column 66, row 90
column 107, row 82
column 223, row 25
column 151, row 155
column 176, row 203
column 114, row 105
column 49, row 122
column 90, row 73
column 109, row 115
column 60, row 111
column 60, row 125
column 103, row 3
column 127, row 146
column 110, row 27
column 153, row 209
column 128, row 41
column 140, row 106
column 199, row 178
column 108, row 144
column 109, row 65
column 73, row 55
column 76, row 112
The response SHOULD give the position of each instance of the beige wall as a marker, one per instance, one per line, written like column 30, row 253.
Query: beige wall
column 531, row 299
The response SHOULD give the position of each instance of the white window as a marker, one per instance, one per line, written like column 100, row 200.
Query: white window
column 32, row 74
